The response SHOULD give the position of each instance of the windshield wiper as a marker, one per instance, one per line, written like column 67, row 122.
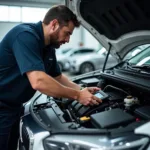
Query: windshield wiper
column 141, row 67
column 128, row 66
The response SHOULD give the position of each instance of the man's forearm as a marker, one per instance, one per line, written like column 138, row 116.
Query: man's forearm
column 63, row 79
column 45, row 84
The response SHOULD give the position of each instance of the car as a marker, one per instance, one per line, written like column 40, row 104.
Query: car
column 62, row 51
column 122, row 120
column 63, row 58
column 90, row 62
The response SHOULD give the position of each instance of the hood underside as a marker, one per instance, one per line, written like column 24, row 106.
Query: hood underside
column 121, row 24
column 114, row 18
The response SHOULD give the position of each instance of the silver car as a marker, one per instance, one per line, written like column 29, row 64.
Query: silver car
column 90, row 62
column 63, row 58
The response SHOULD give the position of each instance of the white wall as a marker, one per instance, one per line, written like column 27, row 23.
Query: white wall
column 5, row 27
column 90, row 41
column 87, row 39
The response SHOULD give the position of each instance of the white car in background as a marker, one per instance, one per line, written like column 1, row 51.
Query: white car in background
column 90, row 62
column 62, row 51
column 63, row 58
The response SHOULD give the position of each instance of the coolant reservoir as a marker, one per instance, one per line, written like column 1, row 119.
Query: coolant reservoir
column 129, row 101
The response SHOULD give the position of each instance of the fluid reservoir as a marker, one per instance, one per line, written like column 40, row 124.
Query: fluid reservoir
column 129, row 101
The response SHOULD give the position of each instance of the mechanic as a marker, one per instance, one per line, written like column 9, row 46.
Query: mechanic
column 28, row 63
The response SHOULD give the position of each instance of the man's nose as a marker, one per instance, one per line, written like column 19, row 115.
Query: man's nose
column 67, row 39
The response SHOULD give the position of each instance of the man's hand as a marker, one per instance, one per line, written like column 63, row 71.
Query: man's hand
column 86, row 98
column 93, row 90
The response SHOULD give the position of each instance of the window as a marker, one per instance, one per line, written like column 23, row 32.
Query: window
column 21, row 14
column 4, row 13
column 87, row 51
column 14, row 14
column 33, row 14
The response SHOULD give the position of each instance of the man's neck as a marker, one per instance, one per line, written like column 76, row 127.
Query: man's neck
column 46, row 37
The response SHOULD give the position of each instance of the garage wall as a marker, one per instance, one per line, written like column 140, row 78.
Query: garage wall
column 5, row 27
column 90, row 41
column 79, row 36
column 32, row 3
column 74, row 41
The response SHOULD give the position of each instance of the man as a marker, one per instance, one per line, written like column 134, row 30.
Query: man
column 28, row 63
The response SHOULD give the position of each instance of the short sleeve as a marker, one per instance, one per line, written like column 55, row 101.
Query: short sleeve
column 26, row 50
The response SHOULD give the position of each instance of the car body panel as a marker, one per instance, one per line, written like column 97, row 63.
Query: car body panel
column 63, row 58
column 96, row 60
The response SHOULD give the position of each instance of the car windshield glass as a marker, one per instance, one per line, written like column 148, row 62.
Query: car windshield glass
column 71, row 52
column 64, row 51
column 101, row 51
column 143, row 58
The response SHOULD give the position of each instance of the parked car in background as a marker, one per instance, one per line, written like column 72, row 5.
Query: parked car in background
column 62, row 51
column 90, row 62
column 63, row 58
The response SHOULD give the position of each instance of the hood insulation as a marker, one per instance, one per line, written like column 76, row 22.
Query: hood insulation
column 114, row 18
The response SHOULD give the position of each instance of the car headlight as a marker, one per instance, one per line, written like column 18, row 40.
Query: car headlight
column 134, row 142
column 69, row 146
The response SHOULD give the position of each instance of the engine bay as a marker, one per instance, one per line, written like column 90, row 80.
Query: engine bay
column 122, row 105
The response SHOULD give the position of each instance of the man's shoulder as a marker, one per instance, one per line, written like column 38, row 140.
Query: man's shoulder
column 27, row 28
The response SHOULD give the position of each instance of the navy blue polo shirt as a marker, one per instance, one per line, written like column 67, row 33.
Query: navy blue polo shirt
column 23, row 50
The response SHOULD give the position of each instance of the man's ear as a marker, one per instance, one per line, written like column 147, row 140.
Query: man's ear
column 54, row 24
column 56, row 27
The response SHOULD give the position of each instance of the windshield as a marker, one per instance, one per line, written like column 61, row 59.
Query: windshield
column 64, row 51
column 102, row 51
column 71, row 52
column 143, row 58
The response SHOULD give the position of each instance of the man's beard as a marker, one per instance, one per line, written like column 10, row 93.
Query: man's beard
column 54, row 40
column 55, row 44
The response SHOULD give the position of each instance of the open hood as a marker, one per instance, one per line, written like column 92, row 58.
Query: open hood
column 118, row 25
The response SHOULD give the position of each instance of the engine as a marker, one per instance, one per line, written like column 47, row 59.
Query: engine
column 123, row 104
column 119, row 108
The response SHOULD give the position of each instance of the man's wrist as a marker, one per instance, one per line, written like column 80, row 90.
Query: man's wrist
column 77, row 95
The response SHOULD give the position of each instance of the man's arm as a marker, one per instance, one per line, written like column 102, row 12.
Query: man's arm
column 64, row 80
column 45, row 84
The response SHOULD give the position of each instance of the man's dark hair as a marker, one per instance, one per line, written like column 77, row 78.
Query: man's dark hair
column 63, row 14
